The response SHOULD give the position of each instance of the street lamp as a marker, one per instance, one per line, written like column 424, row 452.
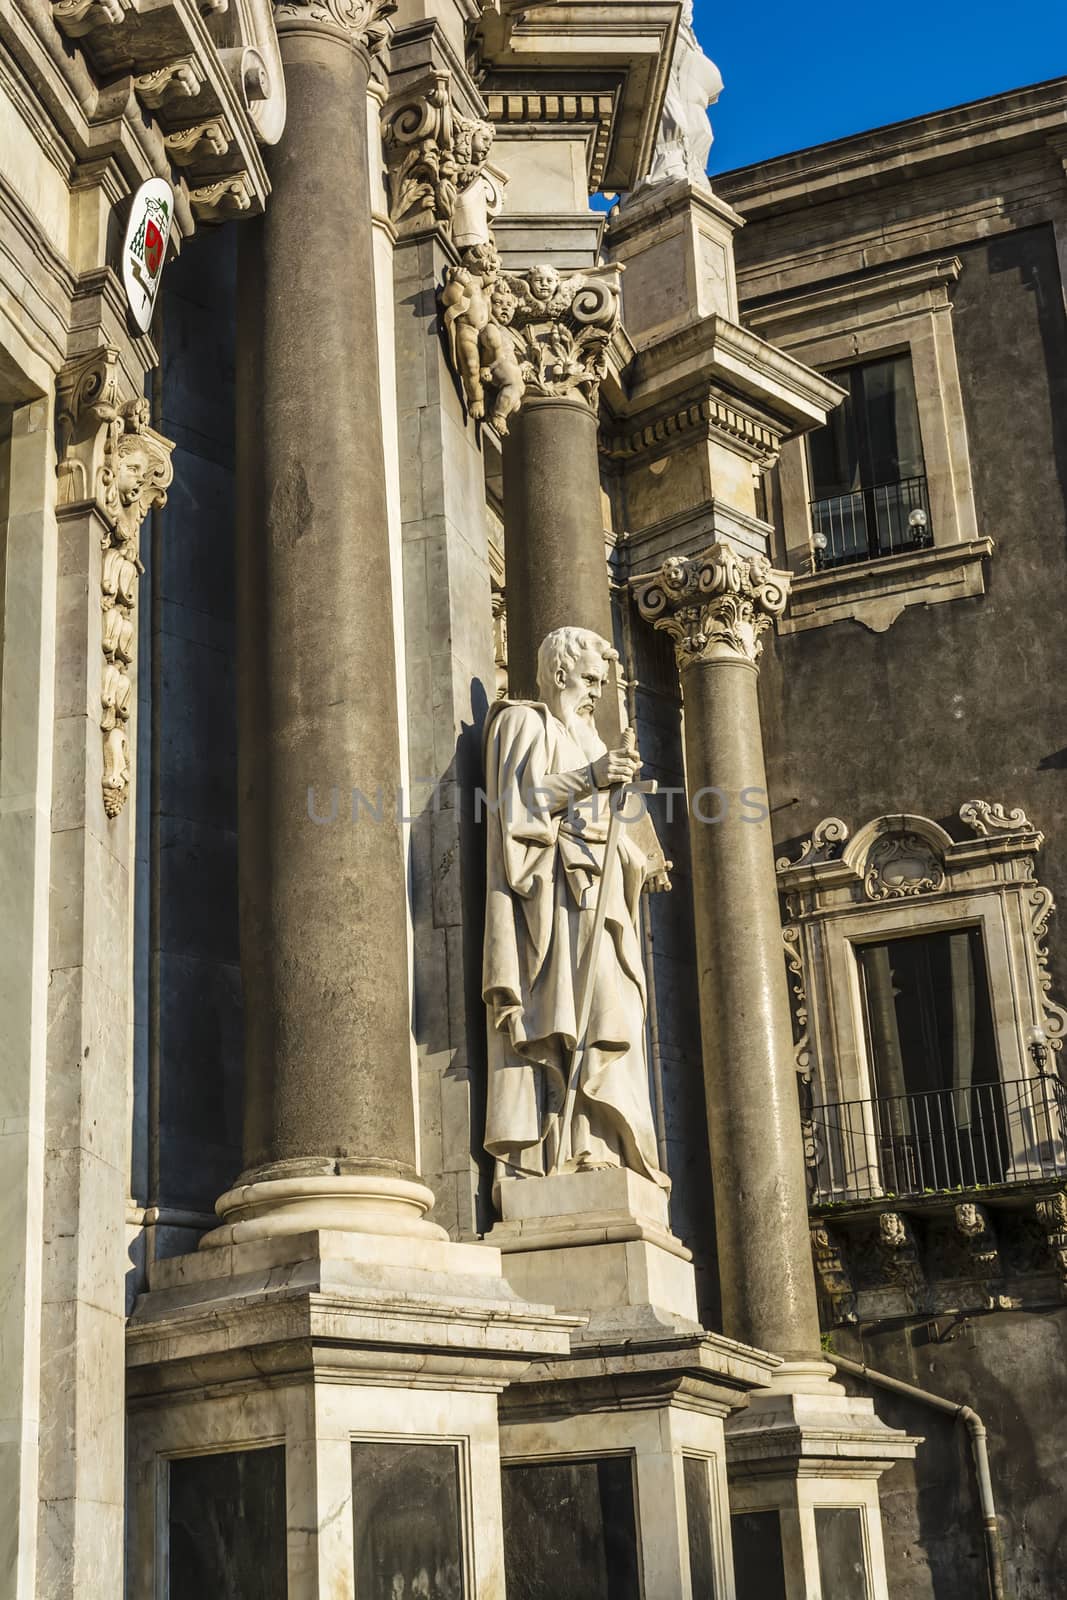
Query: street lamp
column 1037, row 1041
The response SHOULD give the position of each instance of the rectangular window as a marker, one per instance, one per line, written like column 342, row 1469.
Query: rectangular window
column 938, row 1105
column 868, row 476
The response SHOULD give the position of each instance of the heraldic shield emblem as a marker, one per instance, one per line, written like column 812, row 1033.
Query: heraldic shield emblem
column 145, row 247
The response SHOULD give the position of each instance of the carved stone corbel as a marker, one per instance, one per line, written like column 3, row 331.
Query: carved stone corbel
column 79, row 17
column 182, row 79
column 831, row 1270
column 1052, row 1214
column 716, row 606
column 214, row 202
column 899, row 1256
column 186, row 145
column 113, row 463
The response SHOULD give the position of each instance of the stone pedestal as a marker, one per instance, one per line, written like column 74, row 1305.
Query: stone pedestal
column 598, row 1242
column 676, row 243
column 804, row 1459
column 374, row 1373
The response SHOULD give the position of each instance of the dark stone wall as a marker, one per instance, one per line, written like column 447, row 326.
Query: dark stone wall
column 955, row 701
column 1010, row 1367
column 194, row 1024
column 964, row 699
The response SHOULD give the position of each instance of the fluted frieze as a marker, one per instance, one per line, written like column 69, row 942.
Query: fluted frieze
column 716, row 606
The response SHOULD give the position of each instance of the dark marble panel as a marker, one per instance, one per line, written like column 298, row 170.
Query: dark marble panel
column 759, row 1567
column 842, row 1564
column 405, row 1512
column 227, row 1526
column 695, row 1471
column 570, row 1530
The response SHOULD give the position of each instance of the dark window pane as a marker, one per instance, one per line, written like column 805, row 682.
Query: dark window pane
column 698, row 1523
column 405, row 1514
column 227, row 1526
column 842, row 1565
column 868, row 479
column 759, row 1569
column 570, row 1531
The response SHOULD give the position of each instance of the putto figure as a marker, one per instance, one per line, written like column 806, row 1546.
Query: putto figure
column 547, row 773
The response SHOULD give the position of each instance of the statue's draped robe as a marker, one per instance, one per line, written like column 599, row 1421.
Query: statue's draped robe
column 544, row 869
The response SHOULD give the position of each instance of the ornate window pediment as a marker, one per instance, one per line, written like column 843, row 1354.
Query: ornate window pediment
column 878, row 920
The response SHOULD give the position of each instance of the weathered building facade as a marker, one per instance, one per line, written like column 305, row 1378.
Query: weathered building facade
column 277, row 572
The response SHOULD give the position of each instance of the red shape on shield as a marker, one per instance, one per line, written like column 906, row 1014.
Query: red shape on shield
column 153, row 247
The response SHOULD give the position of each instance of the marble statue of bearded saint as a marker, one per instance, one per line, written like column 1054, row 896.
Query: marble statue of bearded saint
column 684, row 140
column 547, row 773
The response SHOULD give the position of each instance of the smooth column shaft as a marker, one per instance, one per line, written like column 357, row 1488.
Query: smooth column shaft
column 554, row 531
column 323, row 934
column 761, row 1212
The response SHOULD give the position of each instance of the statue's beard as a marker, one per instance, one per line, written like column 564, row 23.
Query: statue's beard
column 583, row 727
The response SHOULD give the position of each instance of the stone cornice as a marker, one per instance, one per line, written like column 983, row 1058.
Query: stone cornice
column 899, row 153
column 542, row 112
column 186, row 68
column 904, row 286
column 539, row 47
column 708, row 416
column 716, row 606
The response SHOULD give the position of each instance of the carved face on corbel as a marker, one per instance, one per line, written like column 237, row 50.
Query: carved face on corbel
column 543, row 282
column 131, row 470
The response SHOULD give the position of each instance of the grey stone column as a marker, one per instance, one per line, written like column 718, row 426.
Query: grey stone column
column 330, row 1119
column 554, row 529
column 716, row 607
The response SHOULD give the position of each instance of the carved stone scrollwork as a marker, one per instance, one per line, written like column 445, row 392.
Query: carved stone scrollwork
column 828, row 839
column 436, row 162
column 1053, row 1016
column 113, row 462
column 363, row 20
column 900, row 865
column 987, row 819
column 79, row 17
column 899, row 1256
column 186, row 145
column 716, row 606
column 177, row 80
column 976, row 1239
column 215, row 202
column 1052, row 1215
column 832, row 1272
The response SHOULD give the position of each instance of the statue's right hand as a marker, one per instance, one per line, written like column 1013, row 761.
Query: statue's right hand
column 615, row 766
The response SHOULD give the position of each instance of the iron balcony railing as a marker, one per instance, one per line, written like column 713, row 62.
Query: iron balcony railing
column 912, row 1144
column 881, row 520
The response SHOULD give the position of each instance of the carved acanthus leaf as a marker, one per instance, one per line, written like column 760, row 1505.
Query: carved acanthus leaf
column 436, row 158
column 364, row 20
column 517, row 333
column 715, row 606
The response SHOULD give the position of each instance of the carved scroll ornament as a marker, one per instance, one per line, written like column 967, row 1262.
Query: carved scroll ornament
column 112, row 462
column 716, row 606
column 437, row 164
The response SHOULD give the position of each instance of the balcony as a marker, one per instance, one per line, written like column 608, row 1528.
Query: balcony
column 884, row 519
column 942, row 1141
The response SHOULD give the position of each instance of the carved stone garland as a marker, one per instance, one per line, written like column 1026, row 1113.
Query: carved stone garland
column 716, row 606
column 112, row 462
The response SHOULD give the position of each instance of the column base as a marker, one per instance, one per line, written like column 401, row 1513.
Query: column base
column 338, row 1202
column 804, row 1458
column 319, row 1411
column 599, row 1243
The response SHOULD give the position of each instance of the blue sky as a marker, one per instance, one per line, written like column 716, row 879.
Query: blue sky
column 797, row 74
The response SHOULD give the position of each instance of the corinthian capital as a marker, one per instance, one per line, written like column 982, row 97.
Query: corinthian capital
column 716, row 607
column 563, row 326
column 363, row 20
column 437, row 163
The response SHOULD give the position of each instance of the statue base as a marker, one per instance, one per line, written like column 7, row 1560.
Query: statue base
column 600, row 1243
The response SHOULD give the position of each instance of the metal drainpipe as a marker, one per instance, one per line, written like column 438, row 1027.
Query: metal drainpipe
column 979, row 1452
